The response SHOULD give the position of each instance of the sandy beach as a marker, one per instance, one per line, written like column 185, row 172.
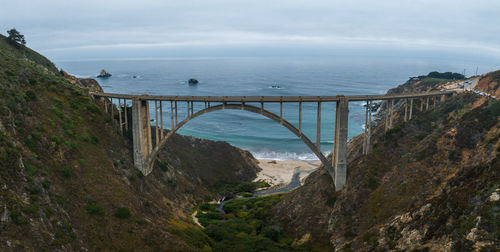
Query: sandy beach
column 280, row 172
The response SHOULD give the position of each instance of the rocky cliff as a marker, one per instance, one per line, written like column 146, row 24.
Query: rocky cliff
column 490, row 84
column 67, row 180
column 429, row 183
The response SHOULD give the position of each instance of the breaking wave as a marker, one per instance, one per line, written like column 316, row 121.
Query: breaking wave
column 286, row 155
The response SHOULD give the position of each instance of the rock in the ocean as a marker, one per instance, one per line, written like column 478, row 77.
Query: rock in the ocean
column 104, row 74
column 193, row 81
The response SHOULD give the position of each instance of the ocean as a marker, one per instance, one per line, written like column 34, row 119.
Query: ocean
column 272, row 76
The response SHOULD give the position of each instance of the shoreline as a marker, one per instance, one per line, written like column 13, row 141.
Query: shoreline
column 280, row 172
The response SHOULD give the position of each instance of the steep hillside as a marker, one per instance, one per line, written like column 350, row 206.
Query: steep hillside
column 490, row 84
column 442, row 163
column 67, row 180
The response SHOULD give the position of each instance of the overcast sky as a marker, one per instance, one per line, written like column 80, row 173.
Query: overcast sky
column 70, row 27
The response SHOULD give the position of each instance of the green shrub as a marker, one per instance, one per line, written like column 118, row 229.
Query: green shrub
column 72, row 145
column 140, row 174
column 247, row 187
column 34, row 190
column 30, row 169
column 17, row 217
column 41, row 128
column 46, row 184
column 73, row 104
column 93, row 109
column 495, row 108
column 57, row 112
column 163, row 165
column 30, row 95
column 245, row 194
column 94, row 140
column 123, row 213
column 393, row 131
column 33, row 198
column 372, row 181
column 31, row 209
column 58, row 103
column 205, row 207
column 81, row 161
column 94, row 209
column 421, row 136
column 31, row 144
column 49, row 212
column 36, row 136
column 272, row 232
column 66, row 172
column 56, row 139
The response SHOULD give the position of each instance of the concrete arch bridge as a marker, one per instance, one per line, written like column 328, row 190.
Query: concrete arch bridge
column 145, row 154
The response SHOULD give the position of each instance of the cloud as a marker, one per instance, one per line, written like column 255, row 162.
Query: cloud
column 76, row 25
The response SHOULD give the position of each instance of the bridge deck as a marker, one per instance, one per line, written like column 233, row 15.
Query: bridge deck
column 271, row 98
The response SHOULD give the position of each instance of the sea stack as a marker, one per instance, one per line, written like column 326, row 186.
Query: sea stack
column 104, row 74
column 193, row 81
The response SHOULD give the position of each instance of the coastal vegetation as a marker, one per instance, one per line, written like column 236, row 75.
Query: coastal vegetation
column 446, row 75
column 67, row 179
column 246, row 225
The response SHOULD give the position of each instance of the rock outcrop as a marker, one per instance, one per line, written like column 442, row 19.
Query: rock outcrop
column 104, row 74
column 87, row 83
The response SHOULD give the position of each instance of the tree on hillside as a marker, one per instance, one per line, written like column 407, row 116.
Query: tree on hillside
column 446, row 75
column 15, row 38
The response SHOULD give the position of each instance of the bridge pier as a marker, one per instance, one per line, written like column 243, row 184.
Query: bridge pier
column 318, row 128
column 141, row 135
column 368, row 123
column 406, row 110
column 339, row 158
column 411, row 107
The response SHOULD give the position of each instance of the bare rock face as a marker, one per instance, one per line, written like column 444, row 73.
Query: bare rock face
column 490, row 84
column 87, row 83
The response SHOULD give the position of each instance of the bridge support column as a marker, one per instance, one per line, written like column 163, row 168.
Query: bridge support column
column 368, row 139
column 406, row 110
column 387, row 116
column 411, row 107
column 141, row 135
column 365, row 136
column 318, row 128
column 391, row 114
column 339, row 159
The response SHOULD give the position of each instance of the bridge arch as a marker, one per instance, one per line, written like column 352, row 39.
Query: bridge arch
column 249, row 108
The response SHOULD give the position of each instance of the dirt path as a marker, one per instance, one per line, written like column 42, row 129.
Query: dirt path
column 196, row 219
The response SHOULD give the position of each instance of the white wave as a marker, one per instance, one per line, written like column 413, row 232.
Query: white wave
column 286, row 155
column 80, row 76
